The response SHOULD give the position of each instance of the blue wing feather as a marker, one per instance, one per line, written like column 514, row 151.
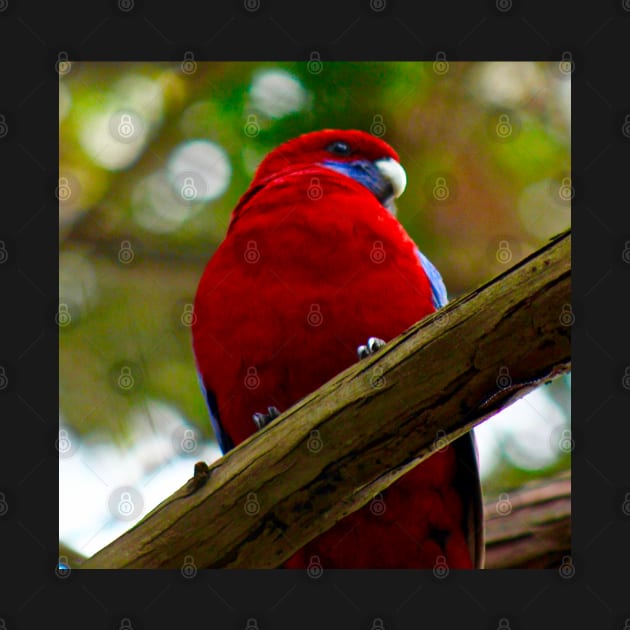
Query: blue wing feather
column 438, row 289
column 224, row 440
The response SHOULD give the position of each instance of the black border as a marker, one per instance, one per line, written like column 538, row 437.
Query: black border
column 598, row 38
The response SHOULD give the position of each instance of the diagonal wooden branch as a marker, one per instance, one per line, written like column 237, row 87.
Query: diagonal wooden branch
column 369, row 425
column 526, row 529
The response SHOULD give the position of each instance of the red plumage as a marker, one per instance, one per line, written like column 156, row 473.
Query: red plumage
column 312, row 266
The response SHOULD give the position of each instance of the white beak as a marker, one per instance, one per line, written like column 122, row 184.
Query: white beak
column 394, row 173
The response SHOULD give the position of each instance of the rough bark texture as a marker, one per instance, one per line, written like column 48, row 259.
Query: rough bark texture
column 530, row 529
column 373, row 422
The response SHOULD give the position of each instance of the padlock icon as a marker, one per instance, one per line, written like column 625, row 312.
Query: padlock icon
column 4, row 379
column 125, row 504
column 440, row 568
column 504, row 505
column 4, row 253
column 63, row 190
column 377, row 505
column 625, row 128
column 189, row 570
column 377, row 380
column 251, row 5
column 566, row 65
column 314, row 442
column 504, row 5
column 125, row 5
column 125, row 624
column 626, row 378
column 377, row 624
column 251, row 624
column 63, row 443
column 4, row 506
column 189, row 65
column 625, row 506
column 189, row 443
column 440, row 65
column 188, row 317
column 252, row 128
column 314, row 569
column 63, row 317
column 4, row 128
column 567, row 568
column 567, row 318
column 504, row 127
column 125, row 126
column 377, row 253
column 189, row 190
column 252, row 380
column 125, row 379
column 377, row 128
column 440, row 189
column 126, row 253
column 504, row 253
column 625, row 255
column 504, row 380
column 439, row 442
column 252, row 254
column 314, row 65
column 252, row 506
column 62, row 65
column 315, row 317
column 566, row 190
column 504, row 624
column 315, row 190
column 566, row 443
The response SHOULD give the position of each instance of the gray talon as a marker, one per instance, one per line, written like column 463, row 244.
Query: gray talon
column 374, row 344
column 261, row 420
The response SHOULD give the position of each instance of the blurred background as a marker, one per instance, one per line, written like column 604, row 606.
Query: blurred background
column 152, row 159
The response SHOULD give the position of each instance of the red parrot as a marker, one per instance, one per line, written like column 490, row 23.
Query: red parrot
column 314, row 264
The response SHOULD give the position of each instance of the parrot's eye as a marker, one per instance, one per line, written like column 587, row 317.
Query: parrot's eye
column 339, row 148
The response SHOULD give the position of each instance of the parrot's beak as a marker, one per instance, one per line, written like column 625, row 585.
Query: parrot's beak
column 394, row 173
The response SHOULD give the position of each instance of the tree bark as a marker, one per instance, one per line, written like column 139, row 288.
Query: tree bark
column 340, row 446
column 530, row 529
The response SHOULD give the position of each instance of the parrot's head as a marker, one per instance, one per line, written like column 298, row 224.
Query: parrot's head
column 357, row 154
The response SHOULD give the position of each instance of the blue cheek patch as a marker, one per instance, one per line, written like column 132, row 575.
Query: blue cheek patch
column 364, row 172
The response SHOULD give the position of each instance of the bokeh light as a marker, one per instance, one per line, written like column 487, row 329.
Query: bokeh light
column 199, row 170
column 277, row 93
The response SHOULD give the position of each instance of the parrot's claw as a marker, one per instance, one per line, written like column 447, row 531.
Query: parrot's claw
column 374, row 344
column 261, row 420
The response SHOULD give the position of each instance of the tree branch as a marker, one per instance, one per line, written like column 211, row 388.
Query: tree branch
column 530, row 529
column 373, row 422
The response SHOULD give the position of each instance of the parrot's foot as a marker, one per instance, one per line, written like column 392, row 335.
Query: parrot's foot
column 261, row 420
column 374, row 344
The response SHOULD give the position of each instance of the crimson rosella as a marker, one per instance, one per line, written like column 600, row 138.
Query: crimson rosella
column 314, row 264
